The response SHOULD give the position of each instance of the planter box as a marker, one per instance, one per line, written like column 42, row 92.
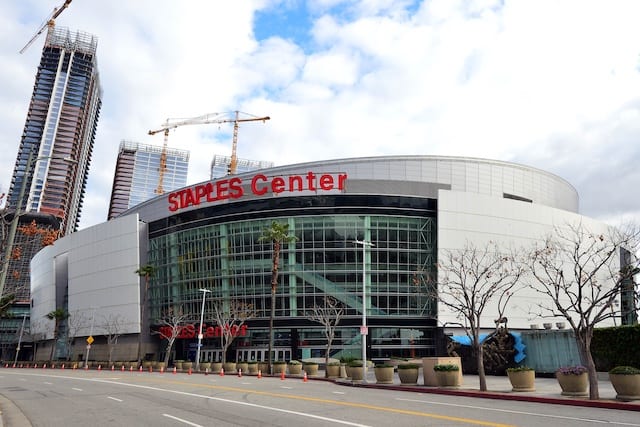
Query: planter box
column 384, row 375
column 229, row 367
column 627, row 387
column 333, row 371
column 522, row 380
column 573, row 385
column 253, row 368
column 244, row 366
column 311, row 369
column 279, row 368
column 430, row 375
column 295, row 368
column 216, row 367
column 408, row 376
column 448, row 378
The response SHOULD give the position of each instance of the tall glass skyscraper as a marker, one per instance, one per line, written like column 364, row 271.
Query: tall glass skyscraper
column 137, row 174
column 60, row 130
column 220, row 166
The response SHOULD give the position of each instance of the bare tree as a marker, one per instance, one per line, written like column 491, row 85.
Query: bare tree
column 170, row 326
column 230, row 319
column 328, row 315
column 76, row 321
column 581, row 274
column 469, row 280
column 113, row 327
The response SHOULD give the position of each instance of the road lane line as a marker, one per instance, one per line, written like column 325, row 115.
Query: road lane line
column 510, row 411
column 48, row 383
column 181, row 420
column 76, row 389
column 114, row 398
column 283, row 396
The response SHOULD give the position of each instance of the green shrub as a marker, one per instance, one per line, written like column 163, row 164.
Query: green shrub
column 625, row 370
column 384, row 365
column 347, row 359
column 616, row 346
column 279, row 362
column 409, row 366
column 520, row 369
column 355, row 364
column 449, row 367
column 309, row 363
column 333, row 364
column 294, row 362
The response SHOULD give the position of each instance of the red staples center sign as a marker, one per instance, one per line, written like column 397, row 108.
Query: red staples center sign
column 260, row 184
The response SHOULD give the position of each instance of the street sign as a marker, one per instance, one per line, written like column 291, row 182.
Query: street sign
column 364, row 330
column 90, row 340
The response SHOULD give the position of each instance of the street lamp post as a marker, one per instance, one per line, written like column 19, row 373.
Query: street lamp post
column 363, row 328
column 16, row 218
column 204, row 296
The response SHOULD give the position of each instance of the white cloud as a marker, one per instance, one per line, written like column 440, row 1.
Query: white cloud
column 550, row 84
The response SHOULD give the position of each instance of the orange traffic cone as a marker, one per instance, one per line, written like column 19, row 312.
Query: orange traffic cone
column 222, row 372
column 99, row 367
column 140, row 368
column 189, row 371
column 304, row 377
column 150, row 369
column 122, row 368
column 86, row 367
column 44, row 366
column 259, row 373
column 162, row 369
column 175, row 370
column 282, row 375
column 131, row 368
column 239, row 373
column 113, row 368
column 62, row 367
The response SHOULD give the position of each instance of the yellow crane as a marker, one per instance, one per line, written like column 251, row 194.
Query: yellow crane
column 202, row 120
column 48, row 23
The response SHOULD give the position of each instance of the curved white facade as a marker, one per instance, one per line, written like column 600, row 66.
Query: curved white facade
column 412, row 207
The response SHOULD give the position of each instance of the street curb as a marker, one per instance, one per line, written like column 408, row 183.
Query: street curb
column 604, row 404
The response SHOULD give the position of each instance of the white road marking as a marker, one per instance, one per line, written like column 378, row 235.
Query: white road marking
column 217, row 399
column 339, row 392
column 287, row 388
column 508, row 411
column 76, row 389
column 189, row 423
column 114, row 398
column 48, row 383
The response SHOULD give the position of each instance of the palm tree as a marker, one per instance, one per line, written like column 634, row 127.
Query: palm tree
column 276, row 233
column 146, row 271
column 59, row 314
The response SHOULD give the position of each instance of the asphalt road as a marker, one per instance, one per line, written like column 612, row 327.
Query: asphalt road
column 90, row 398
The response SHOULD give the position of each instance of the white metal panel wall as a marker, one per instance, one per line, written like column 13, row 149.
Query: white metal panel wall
column 43, row 290
column 102, row 264
column 478, row 219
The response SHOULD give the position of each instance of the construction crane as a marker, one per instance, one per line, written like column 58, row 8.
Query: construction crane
column 48, row 23
column 202, row 120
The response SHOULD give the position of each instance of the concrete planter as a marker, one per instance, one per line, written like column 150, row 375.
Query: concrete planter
column 216, row 367
column 244, row 366
column 384, row 374
column 279, row 368
column 447, row 378
column 522, row 380
column 295, row 368
column 253, row 368
column 333, row 371
column 408, row 375
column 311, row 369
column 573, row 384
column 229, row 367
column 626, row 386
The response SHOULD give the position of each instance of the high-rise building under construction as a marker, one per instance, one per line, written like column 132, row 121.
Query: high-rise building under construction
column 52, row 166
column 138, row 174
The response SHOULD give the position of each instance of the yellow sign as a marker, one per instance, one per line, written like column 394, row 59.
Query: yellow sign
column 90, row 340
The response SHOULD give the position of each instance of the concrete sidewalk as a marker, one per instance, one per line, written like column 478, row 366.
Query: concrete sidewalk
column 547, row 390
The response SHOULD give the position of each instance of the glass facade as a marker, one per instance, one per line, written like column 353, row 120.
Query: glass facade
column 220, row 166
column 137, row 175
column 228, row 258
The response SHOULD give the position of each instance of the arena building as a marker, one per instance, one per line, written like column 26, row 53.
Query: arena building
column 207, row 236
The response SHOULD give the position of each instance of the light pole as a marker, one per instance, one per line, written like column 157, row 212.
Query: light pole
column 16, row 217
column 363, row 328
column 24, row 318
column 204, row 296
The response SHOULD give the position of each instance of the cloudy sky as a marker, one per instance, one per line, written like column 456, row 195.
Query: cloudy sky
column 551, row 84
